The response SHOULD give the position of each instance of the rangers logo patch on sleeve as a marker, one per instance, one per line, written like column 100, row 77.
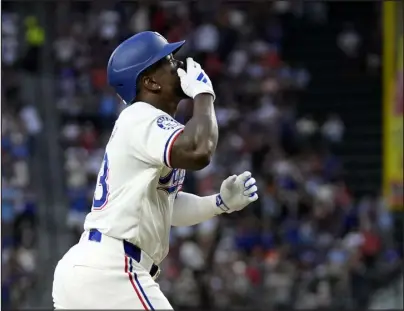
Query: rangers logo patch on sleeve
column 167, row 123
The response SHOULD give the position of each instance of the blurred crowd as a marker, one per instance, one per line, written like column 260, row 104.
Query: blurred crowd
column 20, row 125
column 307, row 243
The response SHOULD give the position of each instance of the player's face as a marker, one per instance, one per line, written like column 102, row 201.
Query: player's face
column 163, row 81
column 170, row 81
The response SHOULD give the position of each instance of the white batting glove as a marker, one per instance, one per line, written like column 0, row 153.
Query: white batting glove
column 236, row 192
column 195, row 81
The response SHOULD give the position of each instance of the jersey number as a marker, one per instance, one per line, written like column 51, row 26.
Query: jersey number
column 101, row 192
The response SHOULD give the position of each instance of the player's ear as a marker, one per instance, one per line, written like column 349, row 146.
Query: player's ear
column 151, row 84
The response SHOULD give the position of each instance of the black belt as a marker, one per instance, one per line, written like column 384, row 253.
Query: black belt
column 130, row 249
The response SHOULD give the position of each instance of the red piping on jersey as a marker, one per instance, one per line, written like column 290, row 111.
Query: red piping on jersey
column 170, row 146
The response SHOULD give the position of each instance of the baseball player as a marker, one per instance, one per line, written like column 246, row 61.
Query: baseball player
column 137, row 197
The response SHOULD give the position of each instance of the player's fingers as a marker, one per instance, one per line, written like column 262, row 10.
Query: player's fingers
column 249, row 182
column 195, row 65
column 190, row 63
column 198, row 66
column 245, row 176
column 253, row 198
column 231, row 179
column 181, row 72
column 229, row 182
column 251, row 190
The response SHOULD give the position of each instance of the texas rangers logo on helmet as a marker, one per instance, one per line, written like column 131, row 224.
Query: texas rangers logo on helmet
column 167, row 123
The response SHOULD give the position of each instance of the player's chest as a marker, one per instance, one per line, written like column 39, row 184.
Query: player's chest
column 171, row 180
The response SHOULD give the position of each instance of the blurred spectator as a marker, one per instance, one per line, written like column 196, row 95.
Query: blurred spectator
column 9, row 34
column 307, row 127
column 333, row 129
column 349, row 40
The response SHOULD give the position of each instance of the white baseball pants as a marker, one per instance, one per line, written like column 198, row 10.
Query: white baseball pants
column 101, row 275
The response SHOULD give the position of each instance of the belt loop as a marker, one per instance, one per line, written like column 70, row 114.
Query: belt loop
column 132, row 250
column 156, row 274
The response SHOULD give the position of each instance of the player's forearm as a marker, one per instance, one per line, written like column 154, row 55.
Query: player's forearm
column 198, row 141
column 190, row 209
column 206, row 131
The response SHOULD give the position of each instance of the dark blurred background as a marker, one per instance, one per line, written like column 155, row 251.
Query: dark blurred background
column 300, row 103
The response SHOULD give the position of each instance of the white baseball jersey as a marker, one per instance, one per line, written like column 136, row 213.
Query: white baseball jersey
column 136, row 186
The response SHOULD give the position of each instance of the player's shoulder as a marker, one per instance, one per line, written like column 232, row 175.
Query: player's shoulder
column 141, row 113
column 138, row 111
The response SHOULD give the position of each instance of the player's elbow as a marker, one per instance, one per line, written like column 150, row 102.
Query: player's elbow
column 198, row 160
column 203, row 160
column 193, row 160
column 204, row 154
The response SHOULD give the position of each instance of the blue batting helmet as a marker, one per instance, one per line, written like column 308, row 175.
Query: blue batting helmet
column 132, row 57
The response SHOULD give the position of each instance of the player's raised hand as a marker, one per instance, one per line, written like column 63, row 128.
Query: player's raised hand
column 194, row 80
column 236, row 192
